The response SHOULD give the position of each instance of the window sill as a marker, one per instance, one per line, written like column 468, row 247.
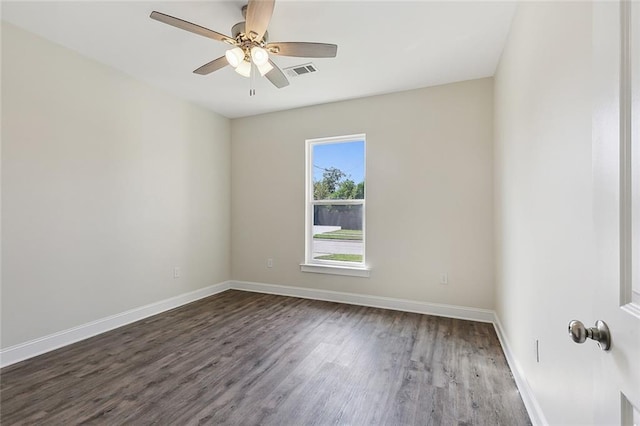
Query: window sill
column 316, row 268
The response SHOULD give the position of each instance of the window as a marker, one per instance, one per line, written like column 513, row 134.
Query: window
column 335, row 211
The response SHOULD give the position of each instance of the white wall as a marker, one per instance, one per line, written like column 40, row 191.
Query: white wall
column 544, row 201
column 107, row 184
column 429, row 193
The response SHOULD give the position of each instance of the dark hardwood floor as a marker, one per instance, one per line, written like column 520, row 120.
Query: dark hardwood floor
column 246, row 358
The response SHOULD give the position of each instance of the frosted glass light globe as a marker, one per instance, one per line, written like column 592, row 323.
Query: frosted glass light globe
column 259, row 55
column 234, row 56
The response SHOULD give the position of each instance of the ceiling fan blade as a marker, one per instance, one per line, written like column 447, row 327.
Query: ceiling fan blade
column 258, row 17
column 303, row 49
column 188, row 26
column 276, row 76
column 212, row 66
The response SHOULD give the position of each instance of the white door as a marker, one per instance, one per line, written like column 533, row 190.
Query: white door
column 616, row 132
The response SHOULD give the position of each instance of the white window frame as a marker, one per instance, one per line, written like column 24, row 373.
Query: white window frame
column 332, row 266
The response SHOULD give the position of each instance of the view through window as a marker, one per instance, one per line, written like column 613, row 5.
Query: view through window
column 336, row 200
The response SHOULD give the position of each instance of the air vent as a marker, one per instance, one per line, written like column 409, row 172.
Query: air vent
column 299, row 70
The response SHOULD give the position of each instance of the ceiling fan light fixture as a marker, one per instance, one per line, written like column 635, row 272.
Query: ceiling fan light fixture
column 244, row 69
column 259, row 56
column 234, row 56
column 264, row 68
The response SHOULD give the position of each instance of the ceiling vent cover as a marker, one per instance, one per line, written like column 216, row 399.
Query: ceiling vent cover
column 298, row 70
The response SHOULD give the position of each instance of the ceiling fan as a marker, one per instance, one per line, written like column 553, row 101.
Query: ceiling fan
column 251, row 49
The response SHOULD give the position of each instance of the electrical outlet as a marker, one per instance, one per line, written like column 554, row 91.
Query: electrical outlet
column 269, row 263
column 444, row 278
column 176, row 272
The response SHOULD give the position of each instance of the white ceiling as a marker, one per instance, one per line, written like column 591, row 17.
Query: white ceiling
column 383, row 46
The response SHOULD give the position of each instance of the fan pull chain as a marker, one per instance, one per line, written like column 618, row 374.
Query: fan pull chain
column 252, row 80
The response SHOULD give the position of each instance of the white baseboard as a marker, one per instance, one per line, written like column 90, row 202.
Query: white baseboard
column 530, row 402
column 451, row 311
column 36, row 347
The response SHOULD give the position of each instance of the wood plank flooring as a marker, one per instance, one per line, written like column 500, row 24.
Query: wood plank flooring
column 242, row 358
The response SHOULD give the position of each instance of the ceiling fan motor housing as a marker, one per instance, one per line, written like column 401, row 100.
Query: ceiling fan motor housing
column 244, row 42
column 238, row 29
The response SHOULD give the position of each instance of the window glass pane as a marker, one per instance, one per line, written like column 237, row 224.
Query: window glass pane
column 337, row 233
column 338, row 171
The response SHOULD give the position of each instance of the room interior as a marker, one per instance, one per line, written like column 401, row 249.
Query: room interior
column 120, row 165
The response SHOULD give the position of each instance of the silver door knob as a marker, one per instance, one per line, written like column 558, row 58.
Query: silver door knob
column 600, row 333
